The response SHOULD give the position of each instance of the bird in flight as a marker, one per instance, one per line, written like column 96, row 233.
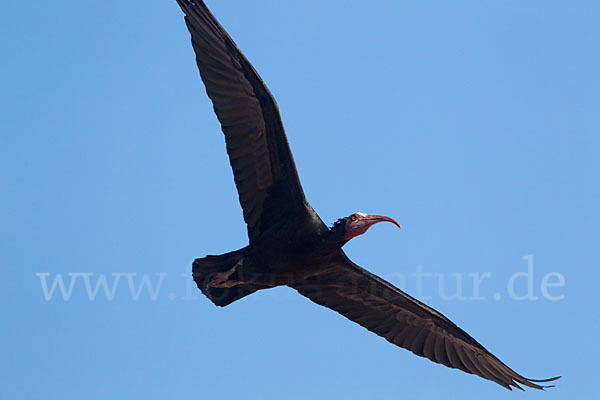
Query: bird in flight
column 288, row 242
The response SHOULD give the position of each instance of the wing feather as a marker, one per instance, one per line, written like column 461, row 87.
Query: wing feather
column 263, row 166
column 389, row 312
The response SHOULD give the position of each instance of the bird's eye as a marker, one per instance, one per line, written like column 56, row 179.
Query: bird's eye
column 354, row 217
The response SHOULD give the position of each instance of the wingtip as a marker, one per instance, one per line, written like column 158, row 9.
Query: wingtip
column 545, row 380
column 533, row 383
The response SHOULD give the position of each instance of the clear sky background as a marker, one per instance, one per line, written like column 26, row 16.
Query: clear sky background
column 474, row 124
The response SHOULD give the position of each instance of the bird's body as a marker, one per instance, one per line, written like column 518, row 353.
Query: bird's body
column 289, row 243
column 285, row 254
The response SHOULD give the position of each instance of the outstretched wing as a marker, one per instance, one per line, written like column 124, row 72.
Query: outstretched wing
column 406, row 322
column 263, row 167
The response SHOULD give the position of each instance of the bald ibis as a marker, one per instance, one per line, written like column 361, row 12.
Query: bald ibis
column 288, row 243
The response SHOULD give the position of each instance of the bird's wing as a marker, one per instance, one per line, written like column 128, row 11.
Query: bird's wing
column 263, row 167
column 406, row 322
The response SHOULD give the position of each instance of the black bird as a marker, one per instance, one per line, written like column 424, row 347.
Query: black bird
column 289, row 243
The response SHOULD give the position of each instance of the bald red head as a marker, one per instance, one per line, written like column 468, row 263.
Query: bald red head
column 358, row 223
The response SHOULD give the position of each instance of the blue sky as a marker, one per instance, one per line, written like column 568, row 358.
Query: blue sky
column 474, row 124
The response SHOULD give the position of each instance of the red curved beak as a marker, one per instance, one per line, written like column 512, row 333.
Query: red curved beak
column 373, row 219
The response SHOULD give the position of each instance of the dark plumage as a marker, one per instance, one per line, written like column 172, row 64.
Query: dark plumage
column 289, row 244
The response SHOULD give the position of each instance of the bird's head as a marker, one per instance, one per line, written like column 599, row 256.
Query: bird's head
column 356, row 224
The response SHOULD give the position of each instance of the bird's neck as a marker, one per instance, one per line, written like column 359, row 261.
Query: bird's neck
column 335, row 236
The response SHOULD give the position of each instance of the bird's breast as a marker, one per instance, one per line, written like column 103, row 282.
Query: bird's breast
column 286, row 256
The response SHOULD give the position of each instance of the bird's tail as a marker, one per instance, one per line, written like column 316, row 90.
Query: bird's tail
column 205, row 269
